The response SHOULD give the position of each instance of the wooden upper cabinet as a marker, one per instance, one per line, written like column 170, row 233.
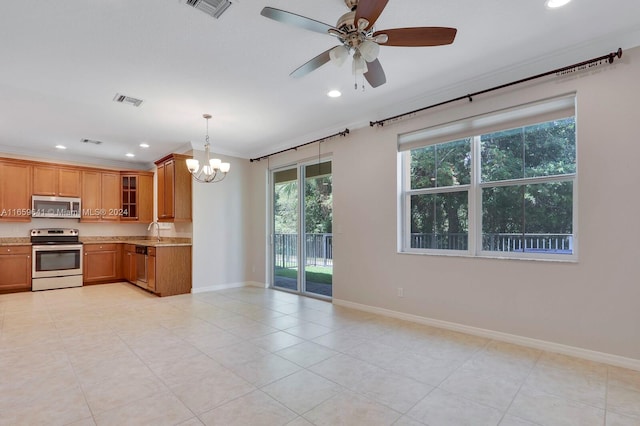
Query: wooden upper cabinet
column 111, row 196
column 137, row 196
column 107, row 196
column 91, row 199
column 69, row 184
column 15, row 191
column 100, row 196
column 56, row 181
column 174, row 189
column 45, row 180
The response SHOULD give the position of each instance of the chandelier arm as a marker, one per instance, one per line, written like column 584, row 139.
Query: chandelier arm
column 215, row 178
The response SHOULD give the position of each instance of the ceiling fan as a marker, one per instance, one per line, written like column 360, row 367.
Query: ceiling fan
column 357, row 38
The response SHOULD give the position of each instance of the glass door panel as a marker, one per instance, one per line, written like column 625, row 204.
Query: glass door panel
column 318, row 237
column 285, row 229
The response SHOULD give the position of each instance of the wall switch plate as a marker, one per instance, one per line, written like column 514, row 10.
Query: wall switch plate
column 164, row 225
column 400, row 292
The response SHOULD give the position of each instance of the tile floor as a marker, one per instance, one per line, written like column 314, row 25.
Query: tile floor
column 114, row 355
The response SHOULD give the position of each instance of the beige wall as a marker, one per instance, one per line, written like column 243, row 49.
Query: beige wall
column 592, row 304
column 221, row 237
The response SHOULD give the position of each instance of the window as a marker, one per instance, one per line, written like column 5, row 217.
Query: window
column 499, row 191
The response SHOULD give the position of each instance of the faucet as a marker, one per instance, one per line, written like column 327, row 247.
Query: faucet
column 157, row 228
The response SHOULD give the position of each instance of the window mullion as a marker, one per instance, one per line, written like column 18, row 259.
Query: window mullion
column 529, row 180
column 439, row 190
column 475, row 205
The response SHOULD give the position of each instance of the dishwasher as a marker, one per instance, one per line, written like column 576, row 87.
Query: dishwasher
column 142, row 275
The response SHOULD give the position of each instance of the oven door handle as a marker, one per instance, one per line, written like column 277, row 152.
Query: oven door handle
column 57, row 247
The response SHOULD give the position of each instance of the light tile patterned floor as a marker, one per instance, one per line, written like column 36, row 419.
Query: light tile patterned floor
column 114, row 355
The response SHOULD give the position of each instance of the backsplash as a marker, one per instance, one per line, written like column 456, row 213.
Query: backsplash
column 20, row 229
column 100, row 229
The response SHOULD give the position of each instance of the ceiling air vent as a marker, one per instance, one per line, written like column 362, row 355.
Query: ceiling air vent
column 93, row 141
column 124, row 99
column 214, row 8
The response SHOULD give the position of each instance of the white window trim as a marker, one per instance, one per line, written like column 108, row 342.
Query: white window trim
column 407, row 142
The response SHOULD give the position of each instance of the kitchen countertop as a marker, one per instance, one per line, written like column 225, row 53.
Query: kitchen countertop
column 15, row 241
column 137, row 240
column 140, row 241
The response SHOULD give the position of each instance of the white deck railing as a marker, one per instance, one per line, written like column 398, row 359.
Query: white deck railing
column 502, row 242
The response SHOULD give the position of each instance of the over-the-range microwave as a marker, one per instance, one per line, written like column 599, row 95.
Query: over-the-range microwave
column 56, row 207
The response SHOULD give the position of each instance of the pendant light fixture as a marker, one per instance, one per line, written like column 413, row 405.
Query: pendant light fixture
column 214, row 170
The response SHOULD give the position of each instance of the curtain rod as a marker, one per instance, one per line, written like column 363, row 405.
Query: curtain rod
column 345, row 132
column 564, row 70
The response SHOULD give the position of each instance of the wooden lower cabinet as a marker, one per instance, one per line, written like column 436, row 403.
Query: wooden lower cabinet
column 168, row 270
column 15, row 268
column 172, row 272
column 102, row 263
column 129, row 263
column 151, row 269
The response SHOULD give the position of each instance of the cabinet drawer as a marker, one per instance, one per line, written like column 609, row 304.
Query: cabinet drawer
column 100, row 247
column 15, row 249
column 151, row 251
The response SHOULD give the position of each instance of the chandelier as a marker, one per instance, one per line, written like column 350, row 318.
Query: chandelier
column 213, row 170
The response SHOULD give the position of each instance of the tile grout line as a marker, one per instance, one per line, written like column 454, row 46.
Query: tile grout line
column 535, row 364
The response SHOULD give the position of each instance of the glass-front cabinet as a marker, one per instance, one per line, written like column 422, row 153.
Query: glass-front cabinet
column 137, row 197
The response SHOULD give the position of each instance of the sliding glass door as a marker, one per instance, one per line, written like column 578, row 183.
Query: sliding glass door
column 302, row 249
column 286, row 221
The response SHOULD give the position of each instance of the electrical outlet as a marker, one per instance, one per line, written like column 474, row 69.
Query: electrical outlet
column 164, row 225
column 400, row 292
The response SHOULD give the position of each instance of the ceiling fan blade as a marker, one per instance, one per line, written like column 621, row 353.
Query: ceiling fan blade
column 419, row 36
column 375, row 76
column 370, row 10
column 312, row 65
column 296, row 20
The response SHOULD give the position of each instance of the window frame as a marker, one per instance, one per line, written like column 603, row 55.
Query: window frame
column 475, row 203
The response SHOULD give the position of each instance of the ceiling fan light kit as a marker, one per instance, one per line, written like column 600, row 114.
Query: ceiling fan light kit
column 359, row 65
column 355, row 32
column 339, row 55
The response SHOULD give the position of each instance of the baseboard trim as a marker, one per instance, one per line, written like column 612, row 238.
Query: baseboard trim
column 218, row 287
column 605, row 358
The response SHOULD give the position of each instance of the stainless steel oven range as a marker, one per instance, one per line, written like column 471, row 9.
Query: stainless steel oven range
column 57, row 258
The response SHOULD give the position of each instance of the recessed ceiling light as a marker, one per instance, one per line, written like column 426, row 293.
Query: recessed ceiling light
column 144, row 145
column 61, row 147
column 334, row 94
column 553, row 4
column 130, row 154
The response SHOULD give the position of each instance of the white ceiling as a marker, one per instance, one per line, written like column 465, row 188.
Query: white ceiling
column 63, row 61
